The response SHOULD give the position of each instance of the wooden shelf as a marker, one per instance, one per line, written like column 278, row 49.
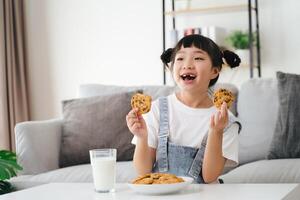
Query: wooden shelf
column 216, row 9
column 212, row 9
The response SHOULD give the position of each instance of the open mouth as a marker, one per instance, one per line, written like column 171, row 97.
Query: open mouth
column 188, row 77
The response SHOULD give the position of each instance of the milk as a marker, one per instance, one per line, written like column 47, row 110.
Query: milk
column 104, row 173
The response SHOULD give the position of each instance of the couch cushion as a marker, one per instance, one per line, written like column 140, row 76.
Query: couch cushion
column 95, row 122
column 78, row 173
column 265, row 171
column 286, row 139
column 31, row 137
column 257, row 112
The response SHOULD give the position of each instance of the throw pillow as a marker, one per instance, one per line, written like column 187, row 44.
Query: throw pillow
column 95, row 122
column 286, row 138
column 258, row 109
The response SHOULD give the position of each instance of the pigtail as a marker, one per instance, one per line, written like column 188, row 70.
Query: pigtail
column 166, row 56
column 231, row 58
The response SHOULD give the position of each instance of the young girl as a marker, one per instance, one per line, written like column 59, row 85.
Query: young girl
column 184, row 133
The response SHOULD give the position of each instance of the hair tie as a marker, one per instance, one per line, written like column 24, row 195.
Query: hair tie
column 231, row 58
column 166, row 56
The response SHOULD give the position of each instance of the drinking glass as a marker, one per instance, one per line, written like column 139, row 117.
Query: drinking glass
column 103, row 163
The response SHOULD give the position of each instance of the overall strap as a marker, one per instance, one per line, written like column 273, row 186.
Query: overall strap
column 162, row 149
column 198, row 160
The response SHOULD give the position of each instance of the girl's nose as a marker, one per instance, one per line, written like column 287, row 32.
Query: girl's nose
column 188, row 64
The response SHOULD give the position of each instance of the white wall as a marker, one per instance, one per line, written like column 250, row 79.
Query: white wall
column 71, row 42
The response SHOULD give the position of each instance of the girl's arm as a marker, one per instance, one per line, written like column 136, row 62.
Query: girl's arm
column 144, row 156
column 213, row 161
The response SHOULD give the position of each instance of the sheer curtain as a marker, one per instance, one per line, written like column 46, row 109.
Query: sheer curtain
column 13, row 86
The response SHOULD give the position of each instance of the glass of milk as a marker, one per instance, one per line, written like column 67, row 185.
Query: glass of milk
column 103, row 163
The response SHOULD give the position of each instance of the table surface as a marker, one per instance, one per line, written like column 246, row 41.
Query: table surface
column 83, row 191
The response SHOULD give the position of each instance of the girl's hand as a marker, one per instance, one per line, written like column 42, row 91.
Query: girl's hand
column 219, row 120
column 136, row 124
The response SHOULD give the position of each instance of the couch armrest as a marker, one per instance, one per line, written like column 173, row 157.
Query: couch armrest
column 38, row 145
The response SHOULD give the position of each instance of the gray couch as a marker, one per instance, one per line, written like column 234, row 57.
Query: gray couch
column 38, row 142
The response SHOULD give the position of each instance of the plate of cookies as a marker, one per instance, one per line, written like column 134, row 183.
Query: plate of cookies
column 159, row 183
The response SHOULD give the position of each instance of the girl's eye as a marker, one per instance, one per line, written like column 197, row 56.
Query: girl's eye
column 179, row 59
column 199, row 58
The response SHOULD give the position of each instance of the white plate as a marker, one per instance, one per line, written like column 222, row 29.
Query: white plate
column 160, row 188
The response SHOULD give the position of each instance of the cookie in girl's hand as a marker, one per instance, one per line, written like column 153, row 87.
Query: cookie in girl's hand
column 222, row 95
column 142, row 102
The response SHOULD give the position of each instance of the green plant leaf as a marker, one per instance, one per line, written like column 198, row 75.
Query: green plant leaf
column 13, row 164
column 4, row 173
column 9, row 170
column 8, row 165
column 239, row 39
column 5, row 187
column 8, row 155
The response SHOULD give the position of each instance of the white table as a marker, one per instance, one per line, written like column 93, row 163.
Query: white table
column 85, row 191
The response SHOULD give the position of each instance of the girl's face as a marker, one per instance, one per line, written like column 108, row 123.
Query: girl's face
column 193, row 70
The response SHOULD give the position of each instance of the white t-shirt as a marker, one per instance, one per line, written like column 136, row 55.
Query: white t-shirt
column 188, row 127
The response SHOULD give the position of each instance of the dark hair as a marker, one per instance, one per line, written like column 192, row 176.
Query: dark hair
column 207, row 45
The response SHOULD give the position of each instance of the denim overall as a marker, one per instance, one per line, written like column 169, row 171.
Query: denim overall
column 176, row 159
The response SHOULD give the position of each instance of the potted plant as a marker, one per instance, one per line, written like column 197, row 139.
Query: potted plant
column 239, row 40
column 8, row 169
